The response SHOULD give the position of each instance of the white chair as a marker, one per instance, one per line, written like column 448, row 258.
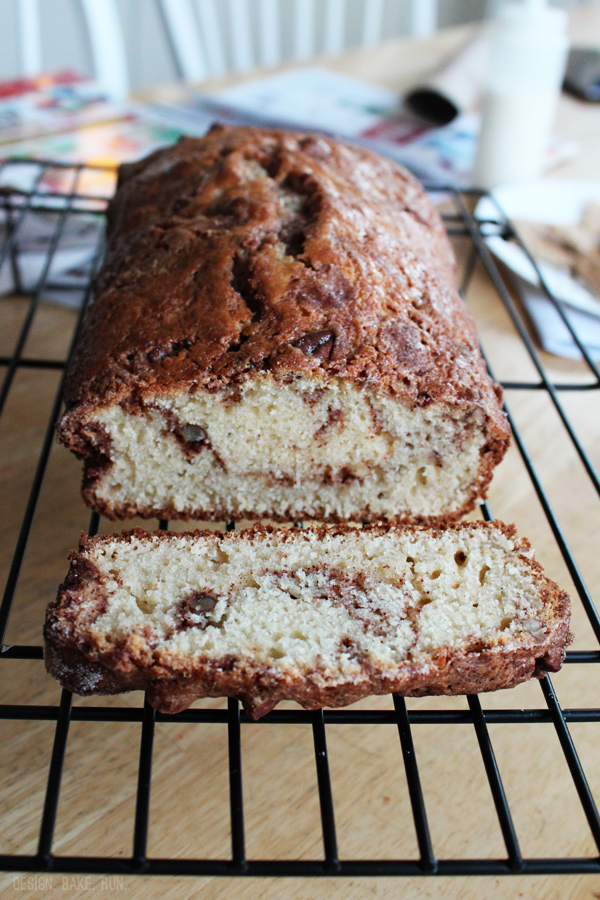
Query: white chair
column 208, row 38
column 206, row 44
column 105, row 35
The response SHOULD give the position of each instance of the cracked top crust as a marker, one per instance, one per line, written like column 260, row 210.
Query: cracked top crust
column 252, row 251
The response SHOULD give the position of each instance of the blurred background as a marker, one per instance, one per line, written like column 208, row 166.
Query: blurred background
column 150, row 60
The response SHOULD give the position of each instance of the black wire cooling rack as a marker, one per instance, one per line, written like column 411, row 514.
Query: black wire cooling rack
column 53, row 197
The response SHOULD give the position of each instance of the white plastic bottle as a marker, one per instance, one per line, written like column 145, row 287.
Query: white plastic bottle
column 526, row 66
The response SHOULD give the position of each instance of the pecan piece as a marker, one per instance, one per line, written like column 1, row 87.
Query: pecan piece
column 318, row 344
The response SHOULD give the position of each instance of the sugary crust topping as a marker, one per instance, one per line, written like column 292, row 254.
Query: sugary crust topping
column 261, row 531
column 115, row 512
column 251, row 251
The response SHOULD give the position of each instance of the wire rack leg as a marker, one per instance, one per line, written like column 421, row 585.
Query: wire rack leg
column 491, row 767
column 428, row 862
column 236, row 799
column 54, row 778
column 332, row 862
column 566, row 742
column 142, row 805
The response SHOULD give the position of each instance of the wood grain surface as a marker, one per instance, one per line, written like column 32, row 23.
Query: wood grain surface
column 189, row 815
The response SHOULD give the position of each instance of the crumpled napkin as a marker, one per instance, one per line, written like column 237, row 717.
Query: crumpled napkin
column 550, row 330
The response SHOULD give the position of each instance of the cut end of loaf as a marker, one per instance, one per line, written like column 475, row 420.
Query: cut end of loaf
column 323, row 616
column 305, row 449
column 277, row 332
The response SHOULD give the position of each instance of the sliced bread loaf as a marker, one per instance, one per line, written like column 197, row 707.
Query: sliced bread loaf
column 277, row 333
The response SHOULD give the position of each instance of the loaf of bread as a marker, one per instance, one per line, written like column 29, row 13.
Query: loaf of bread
column 324, row 616
column 277, row 333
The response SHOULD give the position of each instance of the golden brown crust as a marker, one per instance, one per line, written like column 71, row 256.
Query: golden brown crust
column 173, row 683
column 251, row 251
column 129, row 511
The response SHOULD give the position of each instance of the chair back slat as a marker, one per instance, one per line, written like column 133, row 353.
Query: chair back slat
column 182, row 30
column 269, row 45
column 242, row 55
column 334, row 26
column 304, row 27
column 30, row 33
column 212, row 37
column 372, row 22
column 423, row 17
column 209, row 38
column 108, row 46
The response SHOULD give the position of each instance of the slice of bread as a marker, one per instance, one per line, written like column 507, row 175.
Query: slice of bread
column 324, row 616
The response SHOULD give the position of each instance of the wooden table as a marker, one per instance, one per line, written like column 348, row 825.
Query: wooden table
column 189, row 813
